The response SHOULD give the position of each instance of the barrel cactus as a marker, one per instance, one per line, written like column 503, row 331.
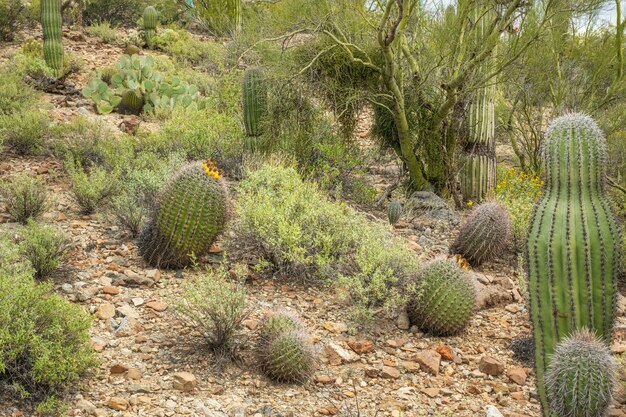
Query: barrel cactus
column 150, row 20
column 442, row 300
column 573, row 243
column 51, row 23
column 581, row 377
column 190, row 212
column 278, row 323
column 254, row 100
column 394, row 211
column 485, row 234
column 132, row 101
column 132, row 49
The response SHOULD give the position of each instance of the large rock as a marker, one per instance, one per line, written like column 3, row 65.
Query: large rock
column 184, row 381
column 429, row 361
column 491, row 366
column 337, row 355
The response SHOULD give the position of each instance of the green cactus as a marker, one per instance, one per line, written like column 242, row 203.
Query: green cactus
column 254, row 100
column 132, row 50
column 485, row 234
column 581, row 377
column 573, row 242
column 189, row 214
column 278, row 323
column 51, row 23
column 150, row 21
column 394, row 211
column 289, row 357
column 132, row 101
column 442, row 300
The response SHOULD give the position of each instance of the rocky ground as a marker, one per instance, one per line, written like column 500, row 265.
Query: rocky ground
column 153, row 366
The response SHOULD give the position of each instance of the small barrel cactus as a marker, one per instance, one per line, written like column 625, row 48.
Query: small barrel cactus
column 485, row 234
column 150, row 21
column 254, row 100
column 394, row 211
column 132, row 50
column 278, row 323
column 51, row 23
column 442, row 300
column 190, row 213
column 132, row 101
column 581, row 377
column 573, row 243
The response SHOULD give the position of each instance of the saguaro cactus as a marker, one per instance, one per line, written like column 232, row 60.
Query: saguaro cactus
column 51, row 23
column 254, row 100
column 150, row 20
column 572, row 243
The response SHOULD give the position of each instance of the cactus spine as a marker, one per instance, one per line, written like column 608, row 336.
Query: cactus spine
column 478, row 161
column 189, row 214
column 51, row 23
column 150, row 20
column 254, row 100
column 572, row 243
column 581, row 377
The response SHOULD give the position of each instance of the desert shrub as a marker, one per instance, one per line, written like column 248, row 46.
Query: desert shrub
column 25, row 197
column 519, row 192
column 44, row 339
column 215, row 306
column 15, row 95
column 218, row 17
column 84, row 139
column 43, row 246
column 302, row 235
column 104, row 32
column 11, row 18
column 30, row 64
column 25, row 132
column 91, row 187
column 116, row 12
column 207, row 55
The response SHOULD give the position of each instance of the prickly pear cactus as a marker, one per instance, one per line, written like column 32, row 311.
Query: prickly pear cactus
column 51, row 23
column 394, row 211
column 132, row 101
column 573, row 243
column 189, row 214
column 254, row 100
column 442, row 300
column 485, row 234
column 581, row 377
column 150, row 21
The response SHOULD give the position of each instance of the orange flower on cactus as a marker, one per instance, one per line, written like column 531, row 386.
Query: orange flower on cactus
column 211, row 169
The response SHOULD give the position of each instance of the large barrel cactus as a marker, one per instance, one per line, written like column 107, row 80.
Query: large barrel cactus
column 254, row 100
column 442, row 300
column 572, row 243
column 189, row 214
column 51, row 23
column 485, row 233
column 581, row 377
column 150, row 21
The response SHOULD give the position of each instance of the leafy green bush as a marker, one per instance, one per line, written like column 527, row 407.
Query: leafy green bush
column 219, row 17
column 208, row 55
column 44, row 339
column 92, row 188
column 105, row 32
column 11, row 17
column 43, row 246
column 301, row 235
column 25, row 197
column 25, row 132
column 15, row 95
column 214, row 305
column 519, row 192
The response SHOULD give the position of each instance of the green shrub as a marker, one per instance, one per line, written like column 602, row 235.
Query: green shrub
column 92, row 188
column 219, row 17
column 30, row 64
column 43, row 246
column 116, row 12
column 11, row 18
column 26, row 197
column 15, row 95
column 302, row 235
column 519, row 192
column 104, row 32
column 215, row 306
column 208, row 55
column 44, row 339
column 83, row 139
column 25, row 132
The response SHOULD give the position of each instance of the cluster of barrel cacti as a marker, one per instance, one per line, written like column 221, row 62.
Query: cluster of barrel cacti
column 51, row 24
column 485, row 234
column 572, row 252
column 254, row 100
column 150, row 21
column 441, row 301
column 189, row 214
column 286, row 352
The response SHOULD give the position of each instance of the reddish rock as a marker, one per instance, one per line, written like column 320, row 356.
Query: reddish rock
column 429, row 361
column 118, row 403
column 118, row 369
column 105, row 311
column 134, row 373
column 337, row 355
column 446, row 352
column 156, row 305
column 108, row 289
column 184, row 381
column 361, row 346
column 431, row 392
column 518, row 375
column 323, row 379
column 390, row 372
column 490, row 366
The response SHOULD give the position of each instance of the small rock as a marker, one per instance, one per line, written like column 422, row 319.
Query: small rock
column 156, row 305
column 361, row 346
column 105, row 311
column 490, row 366
column 491, row 411
column 431, row 392
column 251, row 324
column 118, row 403
column 446, row 352
column 118, row 369
column 429, row 361
column 403, row 321
column 237, row 410
column 390, row 372
column 518, row 375
column 337, row 355
column 336, row 327
column 134, row 373
column 111, row 290
column 86, row 406
column 184, row 381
